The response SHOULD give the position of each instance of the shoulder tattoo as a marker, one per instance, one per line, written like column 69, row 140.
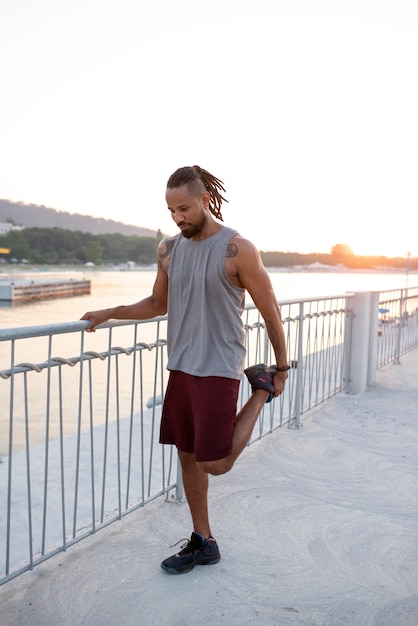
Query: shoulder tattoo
column 169, row 243
column 231, row 251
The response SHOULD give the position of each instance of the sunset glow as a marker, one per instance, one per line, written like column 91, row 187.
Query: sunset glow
column 306, row 110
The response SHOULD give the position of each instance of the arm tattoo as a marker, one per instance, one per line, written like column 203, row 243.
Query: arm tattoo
column 231, row 251
column 169, row 243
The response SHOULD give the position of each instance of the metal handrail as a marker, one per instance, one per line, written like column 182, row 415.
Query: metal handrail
column 79, row 430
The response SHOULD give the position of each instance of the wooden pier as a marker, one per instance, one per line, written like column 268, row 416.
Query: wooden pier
column 25, row 290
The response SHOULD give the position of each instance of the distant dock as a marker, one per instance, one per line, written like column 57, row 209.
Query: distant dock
column 26, row 290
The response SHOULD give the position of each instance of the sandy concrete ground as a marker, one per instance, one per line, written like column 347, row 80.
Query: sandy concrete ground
column 317, row 527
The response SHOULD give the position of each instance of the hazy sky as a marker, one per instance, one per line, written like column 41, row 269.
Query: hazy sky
column 306, row 109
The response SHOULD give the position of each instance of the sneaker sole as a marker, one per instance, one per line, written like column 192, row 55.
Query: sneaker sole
column 249, row 371
column 188, row 568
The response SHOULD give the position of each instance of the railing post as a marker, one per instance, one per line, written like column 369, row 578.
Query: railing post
column 401, row 322
column 177, row 496
column 267, row 347
column 374, row 322
column 360, row 343
column 179, row 482
column 348, row 327
column 299, row 369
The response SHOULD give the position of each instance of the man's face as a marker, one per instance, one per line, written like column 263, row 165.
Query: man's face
column 190, row 213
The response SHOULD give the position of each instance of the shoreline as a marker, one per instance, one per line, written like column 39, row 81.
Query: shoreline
column 21, row 270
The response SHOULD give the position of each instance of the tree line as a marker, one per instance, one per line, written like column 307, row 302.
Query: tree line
column 335, row 258
column 61, row 246
column 58, row 246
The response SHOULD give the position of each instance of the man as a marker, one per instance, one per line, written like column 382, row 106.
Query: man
column 202, row 276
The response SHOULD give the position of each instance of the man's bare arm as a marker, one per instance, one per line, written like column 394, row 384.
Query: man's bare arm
column 152, row 306
column 254, row 277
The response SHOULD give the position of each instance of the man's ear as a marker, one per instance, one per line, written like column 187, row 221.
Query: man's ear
column 206, row 199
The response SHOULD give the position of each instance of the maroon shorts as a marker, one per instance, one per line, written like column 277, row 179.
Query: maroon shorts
column 199, row 414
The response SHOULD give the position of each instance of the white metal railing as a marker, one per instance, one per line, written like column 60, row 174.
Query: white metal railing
column 80, row 414
column 397, row 324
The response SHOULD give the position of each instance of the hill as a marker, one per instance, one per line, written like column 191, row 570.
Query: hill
column 31, row 215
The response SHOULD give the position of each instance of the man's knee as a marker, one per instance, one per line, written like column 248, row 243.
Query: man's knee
column 216, row 468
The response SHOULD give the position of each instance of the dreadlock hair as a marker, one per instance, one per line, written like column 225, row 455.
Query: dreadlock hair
column 198, row 181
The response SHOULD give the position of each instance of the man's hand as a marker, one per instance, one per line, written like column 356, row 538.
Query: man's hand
column 279, row 381
column 95, row 318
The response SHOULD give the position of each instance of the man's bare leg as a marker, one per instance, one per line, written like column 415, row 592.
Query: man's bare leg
column 243, row 428
column 196, row 483
column 201, row 550
column 245, row 422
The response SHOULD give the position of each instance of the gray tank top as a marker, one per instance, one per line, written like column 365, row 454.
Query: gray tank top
column 205, row 329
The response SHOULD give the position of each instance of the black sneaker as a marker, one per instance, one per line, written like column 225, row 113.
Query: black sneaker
column 197, row 551
column 261, row 377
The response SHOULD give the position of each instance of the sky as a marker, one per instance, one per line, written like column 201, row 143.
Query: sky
column 306, row 109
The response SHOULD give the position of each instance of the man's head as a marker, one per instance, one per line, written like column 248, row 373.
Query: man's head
column 199, row 182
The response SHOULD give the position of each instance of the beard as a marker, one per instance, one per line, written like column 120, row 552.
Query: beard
column 191, row 230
